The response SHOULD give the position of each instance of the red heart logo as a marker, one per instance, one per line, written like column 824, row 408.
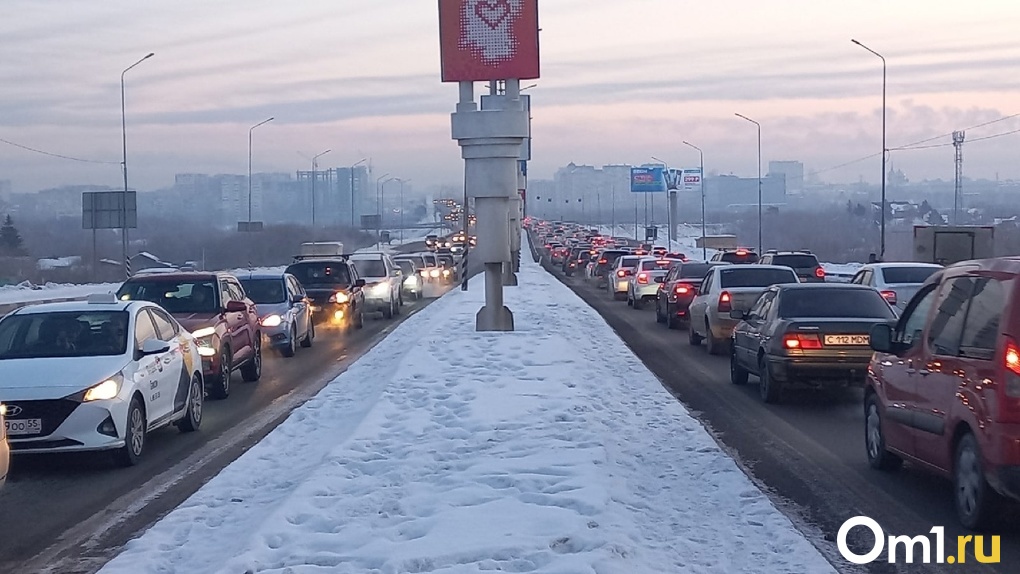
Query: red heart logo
column 492, row 12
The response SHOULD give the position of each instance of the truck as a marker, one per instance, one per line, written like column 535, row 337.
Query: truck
column 948, row 244
column 321, row 248
column 717, row 242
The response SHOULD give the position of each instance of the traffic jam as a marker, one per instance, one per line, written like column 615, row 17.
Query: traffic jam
column 100, row 375
column 930, row 351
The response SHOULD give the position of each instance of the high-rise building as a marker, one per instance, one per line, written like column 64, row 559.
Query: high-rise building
column 793, row 171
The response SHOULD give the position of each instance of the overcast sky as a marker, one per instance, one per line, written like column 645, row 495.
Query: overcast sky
column 621, row 81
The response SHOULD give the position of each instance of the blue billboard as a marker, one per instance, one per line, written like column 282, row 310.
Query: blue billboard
column 647, row 180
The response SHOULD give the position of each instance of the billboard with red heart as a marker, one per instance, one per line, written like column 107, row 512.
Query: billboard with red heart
column 488, row 39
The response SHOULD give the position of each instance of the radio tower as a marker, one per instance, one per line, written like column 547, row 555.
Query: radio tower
column 957, row 193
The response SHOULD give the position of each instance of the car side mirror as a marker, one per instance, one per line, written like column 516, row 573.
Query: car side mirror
column 660, row 279
column 359, row 283
column 154, row 347
column 236, row 307
column 738, row 314
column 882, row 338
column 398, row 273
column 297, row 298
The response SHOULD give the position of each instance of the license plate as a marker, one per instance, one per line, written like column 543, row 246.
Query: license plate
column 837, row 340
column 23, row 427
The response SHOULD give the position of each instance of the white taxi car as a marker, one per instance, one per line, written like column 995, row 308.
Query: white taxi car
column 96, row 375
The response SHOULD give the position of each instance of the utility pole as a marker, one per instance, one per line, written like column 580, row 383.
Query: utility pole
column 958, row 191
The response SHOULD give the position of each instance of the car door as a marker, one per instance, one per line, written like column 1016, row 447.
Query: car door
column 752, row 329
column 898, row 385
column 149, row 377
column 176, row 378
column 247, row 333
column 234, row 324
column 699, row 305
column 299, row 304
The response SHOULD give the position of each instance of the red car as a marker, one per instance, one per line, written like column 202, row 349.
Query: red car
column 217, row 312
column 676, row 291
column 943, row 388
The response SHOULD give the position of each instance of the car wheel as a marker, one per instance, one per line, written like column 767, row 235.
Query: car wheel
column 361, row 319
column 630, row 302
column 715, row 346
column 401, row 299
column 291, row 349
column 134, row 435
column 221, row 384
column 768, row 388
column 693, row 337
column 309, row 336
column 874, row 440
column 252, row 370
column 659, row 317
column 388, row 311
column 397, row 305
column 193, row 417
column 638, row 303
column 738, row 374
column 976, row 502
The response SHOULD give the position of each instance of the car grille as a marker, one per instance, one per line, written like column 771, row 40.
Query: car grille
column 37, row 444
column 52, row 412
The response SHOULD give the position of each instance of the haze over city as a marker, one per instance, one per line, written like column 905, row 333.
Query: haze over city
column 621, row 81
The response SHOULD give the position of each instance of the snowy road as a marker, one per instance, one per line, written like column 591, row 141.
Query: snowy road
column 809, row 449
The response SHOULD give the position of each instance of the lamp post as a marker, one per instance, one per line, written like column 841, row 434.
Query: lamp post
column 378, row 195
column 669, row 212
column 250, row 130
column 701, row 155
column 315, row 174
column 353, row 214
column 123, row 131
column 382, row 202
column 402, row 182
column 881, row 250
column 759, row 176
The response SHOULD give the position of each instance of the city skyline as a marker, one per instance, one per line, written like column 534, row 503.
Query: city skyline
column 617, row 86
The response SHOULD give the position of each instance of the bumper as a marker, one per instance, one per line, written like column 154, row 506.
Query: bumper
column 621, row 286
column 680, row 307
column 722, row 326
column 79, row 431
column 820, row 371
column 646, row 291
column 279, row 336
column 377, row 304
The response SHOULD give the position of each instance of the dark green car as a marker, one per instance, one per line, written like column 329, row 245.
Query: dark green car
column 812, row 335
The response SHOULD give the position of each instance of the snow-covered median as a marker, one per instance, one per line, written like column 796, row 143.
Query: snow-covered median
column 550, row 449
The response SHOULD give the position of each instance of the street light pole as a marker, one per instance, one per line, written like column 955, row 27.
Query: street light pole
column 123, row 131
column 353, row 215
column 669, row 220
column 881, row 251
column 402, row 182
column 759, row 177
column 250, row 130
column 315, row 174
column 701, row 155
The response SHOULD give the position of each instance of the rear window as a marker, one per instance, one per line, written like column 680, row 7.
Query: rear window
column 755, row 277
column 908, row 274
column 612, row 256
column 796, row 261
column 739, row 257
column 834, row 303
column 629, row 261
column 660, row 265
column 699, row 270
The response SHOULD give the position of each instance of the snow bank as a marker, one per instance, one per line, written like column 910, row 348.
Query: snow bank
column 550, row 449
column 26, row 293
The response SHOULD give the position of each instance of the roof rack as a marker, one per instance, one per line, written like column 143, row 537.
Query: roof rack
column 344, row 257
column 102, row 299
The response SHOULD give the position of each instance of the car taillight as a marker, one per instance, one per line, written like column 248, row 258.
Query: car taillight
column 1012, row 359
column 642, row 278
column 683, row 289
column 802, row 341
column 820, row 273
column 621, row 273
column 889, row 296
column 725, row 302
column 602, row 262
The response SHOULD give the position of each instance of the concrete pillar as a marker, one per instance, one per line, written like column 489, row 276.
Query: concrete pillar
column 673, row 215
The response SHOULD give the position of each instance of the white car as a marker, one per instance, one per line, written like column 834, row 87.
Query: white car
column 729, row 288
column 618, row 277
column 5, row 449
column 96, row 375
column 897, row 282
column 382, row 282
column 644, row 284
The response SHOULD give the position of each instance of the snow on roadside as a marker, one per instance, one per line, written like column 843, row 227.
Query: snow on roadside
column 445, row 450
column 10, row 294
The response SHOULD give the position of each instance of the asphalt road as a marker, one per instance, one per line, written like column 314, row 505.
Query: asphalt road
column 70, row 514
column 808, row 451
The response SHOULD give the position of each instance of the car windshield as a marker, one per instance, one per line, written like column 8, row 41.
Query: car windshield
column 694, row 270
column 796, row 261
column 176, row 296
column 265, row 291
column 430, row 260
column 834, row 303
column 754, row 277
column 908, row 274
column 370, row 267
column 313, row 274
column 64, row 334
column 445, row 260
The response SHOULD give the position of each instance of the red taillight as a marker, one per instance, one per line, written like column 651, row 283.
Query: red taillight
column 725, row 302
column 820, row 273
column 802, row 341
column 548, row 246
column 621, row 273
column 642, row 278
column 889, row 296
column 602, row 262
column 741, row 252
column 683, row 289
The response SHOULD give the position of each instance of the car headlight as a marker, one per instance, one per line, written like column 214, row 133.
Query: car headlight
column 339, row 297
column 446, row 272
column 204, row 332
column 104, row 391
column 434, row 273
column 380, row 289
column 273, row 320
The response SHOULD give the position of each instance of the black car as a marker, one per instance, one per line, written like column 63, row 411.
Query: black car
column 740, row 256
column 335, row 289
column 803, row 263
column 678, row 288
column 607, row 259
column 574, row 261
column 803, row 334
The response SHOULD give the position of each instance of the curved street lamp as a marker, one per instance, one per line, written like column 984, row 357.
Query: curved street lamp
column 123, row 131
column 250, row 130
column 881, row 256
column 759, row 175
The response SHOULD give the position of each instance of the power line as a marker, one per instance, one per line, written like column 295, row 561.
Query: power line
column 56, row 155
column 993, row 136
column 950, row 134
